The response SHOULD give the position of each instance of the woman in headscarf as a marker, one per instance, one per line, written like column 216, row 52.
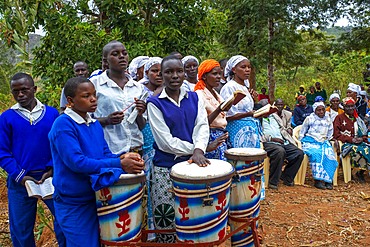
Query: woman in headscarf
column 209, row 78
column 153, row 85
column 315, row 134
column 136, row 67
column 334, row 109
column 191, row 64
column 352, row 132
column 244, row 130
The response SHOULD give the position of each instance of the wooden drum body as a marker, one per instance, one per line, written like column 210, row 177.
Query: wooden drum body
column 245, row 190
column 202, row 197
column 120, row 209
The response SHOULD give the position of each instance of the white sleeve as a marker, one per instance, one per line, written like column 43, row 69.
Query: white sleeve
column 201, row 129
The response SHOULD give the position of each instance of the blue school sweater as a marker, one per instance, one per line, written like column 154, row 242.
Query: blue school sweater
column 180, row 121
column 24, row 146
column 78, row 150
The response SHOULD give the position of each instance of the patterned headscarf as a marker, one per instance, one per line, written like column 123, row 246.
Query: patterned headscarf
column 187, row 58
column 205, row 67
column 152, row 61
column 354, row 88
column 136, row 63
column 348, row 100
column 301, row 97
column 333, row 96
column 231, row 63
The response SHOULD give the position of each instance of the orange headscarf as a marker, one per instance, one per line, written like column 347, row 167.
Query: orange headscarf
column 205, row 67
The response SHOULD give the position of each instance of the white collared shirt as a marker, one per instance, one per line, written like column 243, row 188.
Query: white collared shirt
column 31, row 116
column 163, row 137
column 120, row 137
column 77, row 118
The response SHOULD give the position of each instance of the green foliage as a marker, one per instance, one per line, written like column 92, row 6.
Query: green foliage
column 45, row 219
column 49, row 94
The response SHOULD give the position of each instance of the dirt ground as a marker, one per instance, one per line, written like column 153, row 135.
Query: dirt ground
column 291, row 216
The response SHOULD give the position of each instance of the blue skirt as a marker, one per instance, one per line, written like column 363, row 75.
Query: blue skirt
column 245, row 133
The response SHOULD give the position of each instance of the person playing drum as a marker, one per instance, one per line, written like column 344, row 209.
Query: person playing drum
column 180, row 128
column 79, row 150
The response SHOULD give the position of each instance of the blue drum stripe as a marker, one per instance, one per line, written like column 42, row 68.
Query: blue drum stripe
column 202, row 227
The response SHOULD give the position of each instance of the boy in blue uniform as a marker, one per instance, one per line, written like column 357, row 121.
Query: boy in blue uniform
column 79, row 150
column 25, row 155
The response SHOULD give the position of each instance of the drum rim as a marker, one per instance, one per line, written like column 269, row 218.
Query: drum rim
column 246, row 157
column 131, row 180
column 204, row 180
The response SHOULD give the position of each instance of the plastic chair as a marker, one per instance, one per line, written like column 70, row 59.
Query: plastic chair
column 300, row 177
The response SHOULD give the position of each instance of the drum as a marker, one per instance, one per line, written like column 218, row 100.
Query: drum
column 245, row 190
column 120, row 210
column 202, row 197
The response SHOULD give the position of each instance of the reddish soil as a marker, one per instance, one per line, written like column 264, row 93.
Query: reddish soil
column 291, row 216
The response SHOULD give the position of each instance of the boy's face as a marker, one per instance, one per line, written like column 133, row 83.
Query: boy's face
column 84, row 100
column 118, row 57
column 80, row 69
column 23, row 92
column 173, row 74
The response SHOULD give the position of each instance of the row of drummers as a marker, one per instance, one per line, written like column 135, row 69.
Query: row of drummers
column 206, row 201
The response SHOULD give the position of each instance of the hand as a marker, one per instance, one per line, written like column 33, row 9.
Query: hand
column 250, row 114
column 46, row 175
column 357, row 140
column 277, row 140
column 25, row 178
column 140, row 106
column 115, row 118
column 290, row 131
column 217, row 142
column 132, row 162
column 199, row 159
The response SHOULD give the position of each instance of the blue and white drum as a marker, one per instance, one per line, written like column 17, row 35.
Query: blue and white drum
column 120, row 209
column 245, row 190
column 202, row 197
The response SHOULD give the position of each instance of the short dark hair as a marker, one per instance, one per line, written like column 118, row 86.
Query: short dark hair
column 223, row 62
column 170, row 57
column 72, row 84
column 108, row 47
column 21, row 75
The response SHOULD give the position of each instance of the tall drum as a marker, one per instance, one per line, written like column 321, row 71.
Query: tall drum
column 201, row 200
column 120, row 209
column 245, row 190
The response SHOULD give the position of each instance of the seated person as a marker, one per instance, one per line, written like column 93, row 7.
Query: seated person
column 302, row 110
column 351, row 130
column 334, row 108
column 315, row 134
column 280, row 146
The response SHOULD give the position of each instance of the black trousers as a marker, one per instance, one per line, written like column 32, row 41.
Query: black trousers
column 277, row 154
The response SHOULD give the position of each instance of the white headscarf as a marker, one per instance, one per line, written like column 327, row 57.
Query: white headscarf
column 152, row 61
column 136, row 63
column 354, row 88
column 187, row 58
column 316, row 104
column 231, row 63
column 333, row 96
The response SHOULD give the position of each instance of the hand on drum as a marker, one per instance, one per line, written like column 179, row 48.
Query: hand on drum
column 217, row 142
column 198, row 158
column 132, row 162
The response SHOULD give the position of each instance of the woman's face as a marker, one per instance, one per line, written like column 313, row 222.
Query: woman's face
column 191, row 68
column 320, row 111
column 352, row 94
column 302, row 101
column 154, row 75
column 349, row 109
column 213, row 78
column 242, row 70
column 334, row 102
column 118, row 57
column 173, row 74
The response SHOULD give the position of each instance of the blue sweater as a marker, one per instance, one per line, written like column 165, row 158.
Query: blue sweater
column 24, row 146
column 180, row 121
column 78, row 150
column 300, row 113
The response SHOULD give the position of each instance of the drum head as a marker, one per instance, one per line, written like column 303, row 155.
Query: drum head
column 186, row 171
column 245, row 154
column 131, row 178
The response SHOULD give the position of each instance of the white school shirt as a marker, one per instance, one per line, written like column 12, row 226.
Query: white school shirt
column 120, row 137
column 33, row 115
column 163, row 137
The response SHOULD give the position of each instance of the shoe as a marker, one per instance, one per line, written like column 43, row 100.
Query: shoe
column 320, row 185
column 273, row 187
column 288, row 183
column 329, row 186
column 360, row 177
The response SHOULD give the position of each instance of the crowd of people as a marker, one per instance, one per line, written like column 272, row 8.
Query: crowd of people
column 148, row 115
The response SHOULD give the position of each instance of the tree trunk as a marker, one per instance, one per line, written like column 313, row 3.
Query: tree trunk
column 252, row 78
column 270, row 63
